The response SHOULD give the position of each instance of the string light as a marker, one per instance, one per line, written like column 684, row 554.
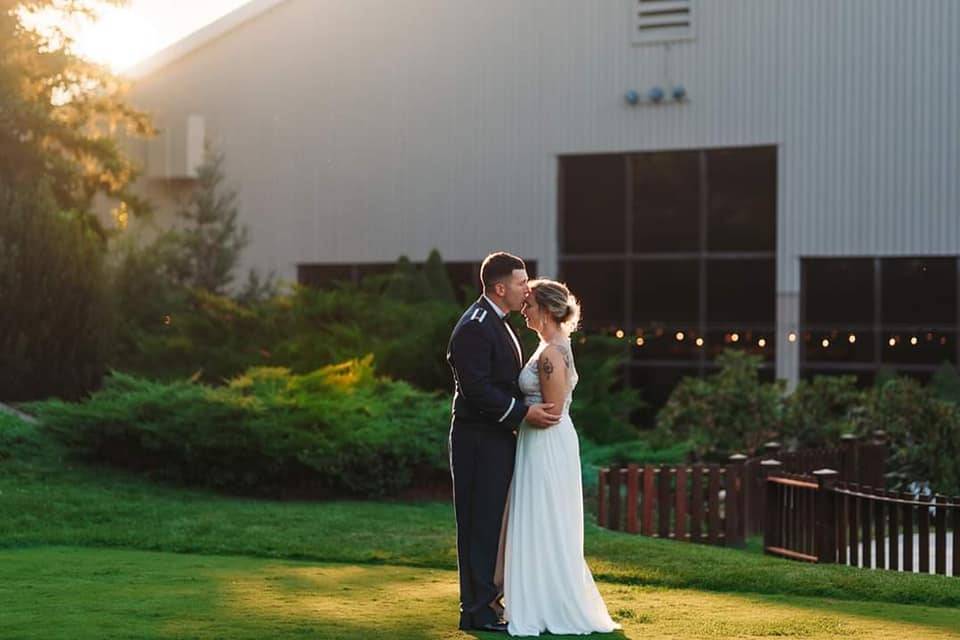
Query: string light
column 825, row 343
column 852, row 338
column 699, row 342
column 679, row 336
column 792, row 337
column 913, row 340
column 761, row 343
column 929, row 337
column 619, row 334
column 892, row 342
column 640, row 341
column 735, row 337
column 167, row 320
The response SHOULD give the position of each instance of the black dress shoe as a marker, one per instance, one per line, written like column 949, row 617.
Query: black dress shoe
column 499, row 627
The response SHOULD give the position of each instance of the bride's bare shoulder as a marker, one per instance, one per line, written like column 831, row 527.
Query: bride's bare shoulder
column 555, row 355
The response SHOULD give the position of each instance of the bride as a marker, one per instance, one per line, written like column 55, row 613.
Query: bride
column 547, row 586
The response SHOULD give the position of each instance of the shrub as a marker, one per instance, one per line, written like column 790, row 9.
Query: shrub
column 636, row 450
column 601, row 410
column 340, row 430
column 819, row 411
column 18, row 439
column 730, row 411
column 945, row 383
column 55, row 328
column 924, row 434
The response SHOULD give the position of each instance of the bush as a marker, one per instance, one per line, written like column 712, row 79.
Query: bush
column 19, row 439
column 731, row 411
column 336, row 431
column 924, row 434
column 821, row 410
column 600, row 410
column 623, row 453
column 404, row 318
column 945, row 383
column 55, row 329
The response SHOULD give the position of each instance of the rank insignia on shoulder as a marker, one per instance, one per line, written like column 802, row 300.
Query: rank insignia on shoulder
column 478, row 314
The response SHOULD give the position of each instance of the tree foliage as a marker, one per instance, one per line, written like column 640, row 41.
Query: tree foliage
column 204, row 246
column 61, row 115
column 55, row 328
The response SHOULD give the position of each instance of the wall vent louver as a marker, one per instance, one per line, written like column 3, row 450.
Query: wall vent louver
column 656, row 21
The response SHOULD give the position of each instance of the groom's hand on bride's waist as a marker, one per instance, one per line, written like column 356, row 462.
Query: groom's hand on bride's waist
column 541, row 416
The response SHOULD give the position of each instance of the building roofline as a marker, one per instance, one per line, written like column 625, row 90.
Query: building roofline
column 200, row 38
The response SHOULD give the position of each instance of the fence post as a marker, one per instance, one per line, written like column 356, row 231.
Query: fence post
column 736, row 507
column 848, row 457
column 771, row 533
column 633, row 481
column 881, row 439
column 772, row 450
column 613, row 511
column 602, row 498
column 826, row 517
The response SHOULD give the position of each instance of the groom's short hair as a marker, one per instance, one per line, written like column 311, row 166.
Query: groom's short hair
column 498, row 266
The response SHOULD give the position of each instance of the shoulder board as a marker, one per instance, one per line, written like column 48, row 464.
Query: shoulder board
column 479, row 314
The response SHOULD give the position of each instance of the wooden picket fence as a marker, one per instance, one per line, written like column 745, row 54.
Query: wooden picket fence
column 718, row 504
column 819, row 518
column 698, row 503
column 860, row 460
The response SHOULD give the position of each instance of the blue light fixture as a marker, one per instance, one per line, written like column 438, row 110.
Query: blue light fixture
column 632, row 97
column 679, row 92
column 655, row 94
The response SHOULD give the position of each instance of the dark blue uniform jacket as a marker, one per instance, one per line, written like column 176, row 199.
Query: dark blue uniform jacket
column 486, row 365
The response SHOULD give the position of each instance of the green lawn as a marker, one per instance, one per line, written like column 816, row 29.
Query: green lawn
column 88, row 553
column 82, row 593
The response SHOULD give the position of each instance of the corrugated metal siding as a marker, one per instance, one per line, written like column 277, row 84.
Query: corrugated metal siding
column 360, row 130
column 363, row 129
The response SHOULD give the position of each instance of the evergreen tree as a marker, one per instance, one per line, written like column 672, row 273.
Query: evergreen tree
column 55, row 329
column 437, row 278
column 206, row 246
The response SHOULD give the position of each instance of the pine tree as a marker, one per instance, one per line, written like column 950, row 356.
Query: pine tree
column 207, row 243
column 437, row 278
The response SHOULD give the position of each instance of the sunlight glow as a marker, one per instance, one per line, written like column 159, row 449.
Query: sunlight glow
column 121, row 37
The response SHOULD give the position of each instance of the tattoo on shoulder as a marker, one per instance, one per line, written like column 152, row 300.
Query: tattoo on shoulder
column 547, row 367
column 565, row 354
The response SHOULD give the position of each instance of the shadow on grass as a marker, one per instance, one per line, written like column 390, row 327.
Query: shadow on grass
column 82, row 594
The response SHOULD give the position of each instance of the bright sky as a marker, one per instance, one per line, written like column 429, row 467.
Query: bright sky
column 125, row 36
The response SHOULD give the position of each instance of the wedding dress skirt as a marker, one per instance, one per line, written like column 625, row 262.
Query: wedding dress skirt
column 547, row 584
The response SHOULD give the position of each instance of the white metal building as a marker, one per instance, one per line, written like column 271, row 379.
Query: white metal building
column 797, row 183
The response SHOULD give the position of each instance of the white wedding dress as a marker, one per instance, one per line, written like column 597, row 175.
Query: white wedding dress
column 547, row 584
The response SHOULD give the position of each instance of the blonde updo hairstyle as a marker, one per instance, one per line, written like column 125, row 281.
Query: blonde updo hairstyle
column 555, row 300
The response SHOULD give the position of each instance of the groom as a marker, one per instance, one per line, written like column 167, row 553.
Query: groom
column 485, row 356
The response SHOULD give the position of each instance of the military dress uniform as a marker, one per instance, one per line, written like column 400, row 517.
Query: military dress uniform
column 485, row 356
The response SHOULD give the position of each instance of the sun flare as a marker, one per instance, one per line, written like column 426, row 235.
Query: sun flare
column 119, row 39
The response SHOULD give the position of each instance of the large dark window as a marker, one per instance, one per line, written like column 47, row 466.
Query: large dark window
column 674, row 253
column 742, row 190
column 593, row 198
column 863, row 314
column 666, row 201
column 599, row 285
